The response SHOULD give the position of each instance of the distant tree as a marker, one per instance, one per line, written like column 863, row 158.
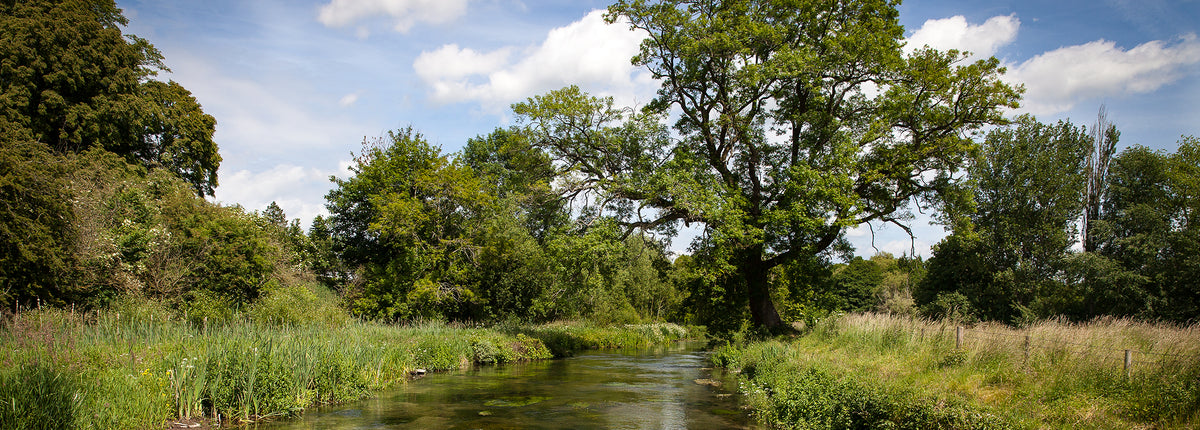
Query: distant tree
column 273, row 215
column 1181, row 259
column 1104, row 144
column 1030, row 190
column 796, row 121
column 512, row 168
column 1138, row 211
column 407, row 217
column 173, row 133
column 1149, row 231
column 856, row 284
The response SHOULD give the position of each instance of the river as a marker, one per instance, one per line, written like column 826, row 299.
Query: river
column 661, row 388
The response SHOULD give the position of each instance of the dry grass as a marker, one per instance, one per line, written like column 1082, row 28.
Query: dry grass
column 1053, row 374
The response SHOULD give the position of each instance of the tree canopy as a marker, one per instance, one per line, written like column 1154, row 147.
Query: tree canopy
column 795, row 121
column 71, row 80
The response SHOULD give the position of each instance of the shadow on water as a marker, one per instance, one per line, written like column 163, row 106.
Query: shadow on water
column 660, row 388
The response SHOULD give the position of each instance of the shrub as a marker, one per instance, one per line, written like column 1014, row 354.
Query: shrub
column 296, row 305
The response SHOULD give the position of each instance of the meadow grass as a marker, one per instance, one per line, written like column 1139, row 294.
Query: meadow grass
column 146, row 369
column 880, row 371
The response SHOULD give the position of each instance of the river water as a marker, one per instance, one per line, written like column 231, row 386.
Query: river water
column 662, row 388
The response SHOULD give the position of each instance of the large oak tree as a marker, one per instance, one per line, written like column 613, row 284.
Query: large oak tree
column 794, row 121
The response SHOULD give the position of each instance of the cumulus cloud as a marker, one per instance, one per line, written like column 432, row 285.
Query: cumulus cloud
column 298, row 190
column 588, row 52
column 404, row 13
column 266, row 133
column 982, row 40
column 1057, row 80
column 451, row 62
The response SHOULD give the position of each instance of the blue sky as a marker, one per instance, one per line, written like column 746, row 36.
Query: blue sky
column 296, row 85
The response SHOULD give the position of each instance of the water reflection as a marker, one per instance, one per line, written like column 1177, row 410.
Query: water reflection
column 666, row 388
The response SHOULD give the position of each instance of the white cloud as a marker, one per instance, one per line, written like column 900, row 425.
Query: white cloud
column 982, row 40
column 348, row 100
column 263, row 125
column 405, row 13
column 588, row 52
column 908, row 247
column 1057, row 80
column 261, row 118
column 451, row 62
column 298, row 190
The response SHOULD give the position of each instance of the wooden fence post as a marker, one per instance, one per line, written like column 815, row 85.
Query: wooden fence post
column 1128, row 363
column 958, row 334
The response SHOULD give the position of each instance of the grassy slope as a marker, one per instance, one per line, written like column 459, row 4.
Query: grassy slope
column 60, row 371
column 876, row 371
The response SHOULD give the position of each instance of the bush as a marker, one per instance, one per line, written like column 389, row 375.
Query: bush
column 296, row 305
column 953, row 306
column 203, row 306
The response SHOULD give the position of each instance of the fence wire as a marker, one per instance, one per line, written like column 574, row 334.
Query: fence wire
column 1094, row 351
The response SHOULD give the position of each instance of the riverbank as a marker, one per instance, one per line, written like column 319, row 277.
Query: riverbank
column 878, row 371
column 66, row 370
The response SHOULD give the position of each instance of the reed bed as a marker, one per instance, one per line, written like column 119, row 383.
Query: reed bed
column 904, row 372
column 110, row 371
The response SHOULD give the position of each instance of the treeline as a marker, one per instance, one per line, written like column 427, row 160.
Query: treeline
column 103, row 173
column 480, row 235
column 1057, row 224
column 1065, row 226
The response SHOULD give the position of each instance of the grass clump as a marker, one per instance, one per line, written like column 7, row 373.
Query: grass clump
column 883, row 371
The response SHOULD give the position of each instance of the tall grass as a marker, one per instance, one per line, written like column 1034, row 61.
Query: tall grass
column 141, row 369
column 908, row 372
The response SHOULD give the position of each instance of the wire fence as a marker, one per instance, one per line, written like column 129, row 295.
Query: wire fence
column 1129, row 357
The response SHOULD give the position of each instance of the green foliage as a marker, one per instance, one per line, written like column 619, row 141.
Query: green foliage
column 176, row 135
column 150, row 234
column 876, row 371
column 405, row 216
column 787, row 394
column 950, row 306
column 201, row 306
column 1148, row 229
column 73, row 82
column 149, row 366
column 36, row 226
column 844, row 158
column 563, row 339
column 297, row 304
column 813, row 289
column 482, row 237
column 1030, row 188
column 610, row 280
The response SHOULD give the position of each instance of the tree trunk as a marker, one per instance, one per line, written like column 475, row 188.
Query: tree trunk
column 762, row 308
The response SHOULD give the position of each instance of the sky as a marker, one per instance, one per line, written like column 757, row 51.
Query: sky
column 297, row 85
